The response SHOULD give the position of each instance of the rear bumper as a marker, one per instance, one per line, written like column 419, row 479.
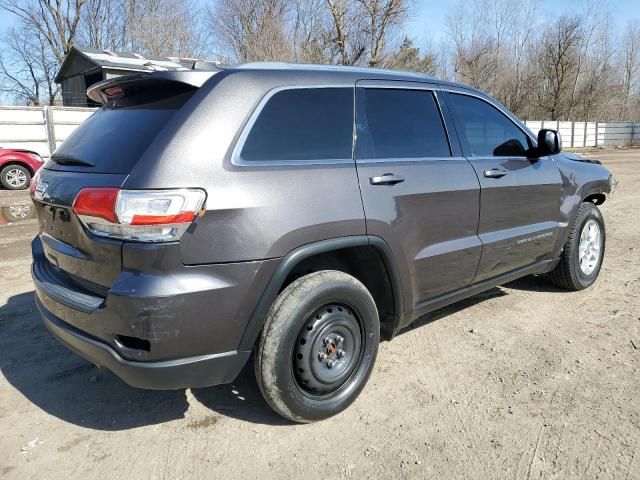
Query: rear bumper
column 200, row 371
column 172, row 326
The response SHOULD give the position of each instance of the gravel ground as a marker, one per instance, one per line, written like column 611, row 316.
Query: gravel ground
column 523, row 381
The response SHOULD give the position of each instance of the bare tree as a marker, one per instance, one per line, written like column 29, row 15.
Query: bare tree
column 474, row 59
column 491, row 44
column 338, row 11
column 557, row 64
column 32, row 55
column 27, row 69
column 312, row 33
column 19, row 76
column 408, row 57
column 156, row 27
column 250, row 30
column 348, row 35
column 104, row 24
column 630, row 66
column 165, row 27
column 514, row 67
column 591, row 55
column 55, row 20
column 383, row 17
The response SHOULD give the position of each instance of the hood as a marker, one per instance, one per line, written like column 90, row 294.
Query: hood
column 579, row 158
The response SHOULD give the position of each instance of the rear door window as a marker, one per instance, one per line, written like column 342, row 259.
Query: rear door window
column 487, row 131
column 115, row 137
column 401, row 123
column 302, row 124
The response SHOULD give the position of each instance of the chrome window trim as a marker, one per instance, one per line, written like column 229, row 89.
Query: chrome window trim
column 399, row 85
column 444, row 122
column 501, row 109
column 364, row 161
column 236, row 158
column 430, row 86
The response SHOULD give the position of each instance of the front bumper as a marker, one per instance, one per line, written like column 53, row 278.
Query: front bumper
column 200, row 371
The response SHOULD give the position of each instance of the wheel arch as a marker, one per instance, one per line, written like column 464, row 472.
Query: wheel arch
column 282, row 276
column 15, row 161
column 595, row 191
column 595, row 198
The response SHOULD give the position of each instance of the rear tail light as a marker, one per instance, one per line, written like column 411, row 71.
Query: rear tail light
column 34, row 182
column 141, row 215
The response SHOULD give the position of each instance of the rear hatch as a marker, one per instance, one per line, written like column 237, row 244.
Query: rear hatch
column 101, row 153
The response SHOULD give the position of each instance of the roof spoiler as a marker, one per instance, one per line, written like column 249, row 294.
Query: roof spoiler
column 106, row 90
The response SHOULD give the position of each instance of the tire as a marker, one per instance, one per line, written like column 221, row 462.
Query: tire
column 299, row 367
column 569, row 273
column 15, row 177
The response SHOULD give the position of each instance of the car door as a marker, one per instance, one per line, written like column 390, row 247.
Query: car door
column 419, row 194
column 520, row 196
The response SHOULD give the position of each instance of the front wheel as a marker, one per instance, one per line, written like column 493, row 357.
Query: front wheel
column 318, row 346
column 583, row 253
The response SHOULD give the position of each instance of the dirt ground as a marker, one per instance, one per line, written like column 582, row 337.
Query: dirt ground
column 524, row 381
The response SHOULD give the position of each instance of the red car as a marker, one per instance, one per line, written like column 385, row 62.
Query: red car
column 17, row 167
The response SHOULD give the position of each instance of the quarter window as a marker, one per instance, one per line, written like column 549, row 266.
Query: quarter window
column 402, row 124
column 488, row 131
column 303, row 124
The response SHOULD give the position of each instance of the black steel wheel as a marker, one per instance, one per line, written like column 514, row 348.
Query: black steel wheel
column 328, row 349
column 318, row 346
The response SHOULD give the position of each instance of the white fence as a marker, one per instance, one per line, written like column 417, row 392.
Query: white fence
column 591, row 134
column 43, row 129
column 39, row 129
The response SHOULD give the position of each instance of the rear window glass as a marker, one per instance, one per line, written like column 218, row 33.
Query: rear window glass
column 402, row 124
column 114, row 139
column 303, row 124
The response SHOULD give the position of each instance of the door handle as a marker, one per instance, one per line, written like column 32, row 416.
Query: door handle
column 495, row 173
column 386, row 179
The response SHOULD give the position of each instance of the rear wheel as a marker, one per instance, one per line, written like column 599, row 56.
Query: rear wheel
column 583, row 253
column 318, row 346
column 15, row 177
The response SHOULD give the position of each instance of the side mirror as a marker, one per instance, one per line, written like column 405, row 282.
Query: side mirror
column 549, row 142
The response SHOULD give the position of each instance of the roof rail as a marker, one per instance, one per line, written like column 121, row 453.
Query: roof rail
column 322, row 67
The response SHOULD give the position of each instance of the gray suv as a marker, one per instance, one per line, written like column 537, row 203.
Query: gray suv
column 299, row 213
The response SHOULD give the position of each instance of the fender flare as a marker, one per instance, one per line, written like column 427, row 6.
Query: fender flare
column 16, row 161
column 595, row 187
column 293, row 258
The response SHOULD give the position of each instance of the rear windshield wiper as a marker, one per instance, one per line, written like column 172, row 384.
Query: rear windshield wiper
column 69, row 160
